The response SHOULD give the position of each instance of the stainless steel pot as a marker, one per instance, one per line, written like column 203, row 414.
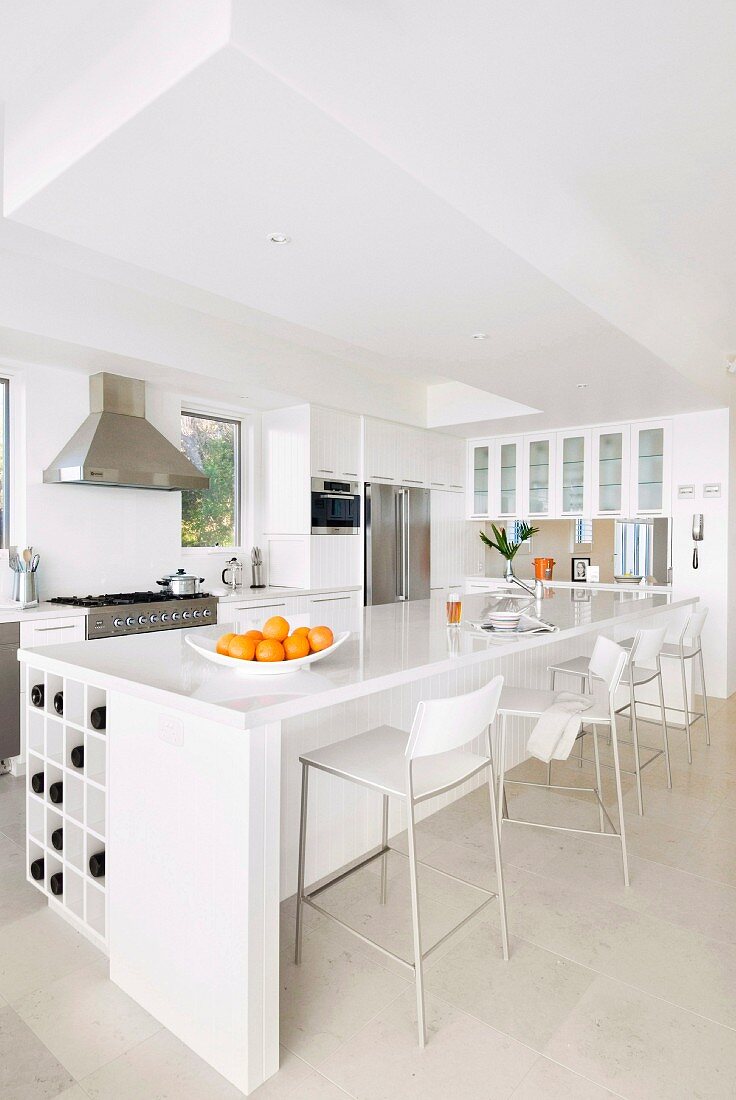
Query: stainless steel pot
column 181, row 583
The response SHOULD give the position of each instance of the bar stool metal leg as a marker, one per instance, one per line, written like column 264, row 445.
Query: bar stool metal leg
column 635, row 736
column 686, row 706
column 384, row 844
column 497, row 845
column 583, row 681
column 416, row 926
column 705, row 695
column 665, row 736
column 598, row 785
column 552, row 680
column 302, row 851
column 619, row 798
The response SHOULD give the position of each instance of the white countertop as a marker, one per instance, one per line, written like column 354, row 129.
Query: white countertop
column 597, row 585
column 43, row 611
column 392, row 645
column 247, row 595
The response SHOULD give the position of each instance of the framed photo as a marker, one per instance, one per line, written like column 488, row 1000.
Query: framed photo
column 579, row 570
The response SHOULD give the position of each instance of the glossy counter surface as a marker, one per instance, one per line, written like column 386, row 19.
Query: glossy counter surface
column 391, row 645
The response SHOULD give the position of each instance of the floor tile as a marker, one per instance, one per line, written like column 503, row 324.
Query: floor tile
column 526, row 997
column 38, row 949
column 292, row 1073
column 159, row 1068
column 15, row 831
column 76, row 1092
column 644, row 1048
column 85, row 1020
column 28, row 1070
column 17, row 898
column 333, row 993
column 547, row 1080
column 463, row 1057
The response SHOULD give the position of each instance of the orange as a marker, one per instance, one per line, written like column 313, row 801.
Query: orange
column 301, row 630
column 255, row 635
column 242, row 647
column 276, row 627
column 269, row 650
column 296, row 645
column 320, row 637
column 223, row 643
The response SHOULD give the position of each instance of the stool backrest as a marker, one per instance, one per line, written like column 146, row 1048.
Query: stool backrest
column 648, row 644
column 443, row 724
column 694, row 625
column 608, row 662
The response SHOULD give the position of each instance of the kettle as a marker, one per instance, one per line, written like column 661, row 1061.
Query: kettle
column 235, row 569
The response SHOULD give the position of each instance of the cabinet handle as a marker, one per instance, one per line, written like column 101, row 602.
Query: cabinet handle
column 413, row 480
column 259, row 606
column 320, row 471
column 46, row 629
column 440, row 483
column 382, row 477
column 347, row 474
column 456, row 486
column 328, row 599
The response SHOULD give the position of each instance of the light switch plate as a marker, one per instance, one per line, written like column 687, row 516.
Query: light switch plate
column 171, row 729
column 685, row 492
column 712, row 490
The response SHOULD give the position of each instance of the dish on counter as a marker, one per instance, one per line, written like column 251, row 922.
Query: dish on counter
column 207, row 648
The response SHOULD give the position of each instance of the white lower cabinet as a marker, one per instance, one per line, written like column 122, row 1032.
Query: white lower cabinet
column 333, row 609
column 447, row 539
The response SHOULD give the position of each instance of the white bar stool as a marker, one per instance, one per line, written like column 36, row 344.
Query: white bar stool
column 688, row 648
column 607, row 663
column 413, row 767
column 646, row 646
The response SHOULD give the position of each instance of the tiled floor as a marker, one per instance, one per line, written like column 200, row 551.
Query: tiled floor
column 609, row 992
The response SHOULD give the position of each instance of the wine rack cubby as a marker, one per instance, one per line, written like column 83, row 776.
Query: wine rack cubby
column 82, row 814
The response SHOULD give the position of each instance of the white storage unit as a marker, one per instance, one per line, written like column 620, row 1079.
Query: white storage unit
column 334, row 444
column 82, row 815
column 651, row 465
column 611, row 475
column 447, row 539
column 507, row 493
column 538, row 480
column 380, row 450
column 479, row 479
column 446, row 462
column 333, row 609
column 573, row 479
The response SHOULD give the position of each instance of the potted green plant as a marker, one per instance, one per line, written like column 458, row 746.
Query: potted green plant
column 508, row 548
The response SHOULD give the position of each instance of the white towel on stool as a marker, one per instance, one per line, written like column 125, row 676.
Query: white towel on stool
column 558, row 727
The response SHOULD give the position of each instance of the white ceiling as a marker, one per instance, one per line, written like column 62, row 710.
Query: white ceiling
column 557, row 176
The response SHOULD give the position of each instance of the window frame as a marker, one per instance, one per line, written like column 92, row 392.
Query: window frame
column 8, row 466
column 244, row 447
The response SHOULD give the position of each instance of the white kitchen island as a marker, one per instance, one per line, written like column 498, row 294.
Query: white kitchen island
column 197, row 779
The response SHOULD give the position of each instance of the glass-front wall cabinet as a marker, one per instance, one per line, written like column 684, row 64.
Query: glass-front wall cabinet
column 480, row 479
column 540, row 475
column 650, row 483
column 508, row 497
column 574, row 473
column 612, row 470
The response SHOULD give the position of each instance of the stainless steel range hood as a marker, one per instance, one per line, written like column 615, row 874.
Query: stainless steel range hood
column 116, row 445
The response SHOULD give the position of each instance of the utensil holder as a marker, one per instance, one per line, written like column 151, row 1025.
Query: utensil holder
column 25, row 589
column 257, row 571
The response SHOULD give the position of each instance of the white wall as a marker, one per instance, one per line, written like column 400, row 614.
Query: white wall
column 92, row 538
column 700, row 453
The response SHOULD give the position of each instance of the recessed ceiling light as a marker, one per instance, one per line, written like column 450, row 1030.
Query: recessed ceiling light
column 279, row 238
column 582, row 385
column 480, row 335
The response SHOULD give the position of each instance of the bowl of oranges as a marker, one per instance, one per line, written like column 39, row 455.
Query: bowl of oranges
column 273, row 650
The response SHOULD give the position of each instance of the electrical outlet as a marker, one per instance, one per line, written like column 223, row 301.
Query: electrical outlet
column 171, row 729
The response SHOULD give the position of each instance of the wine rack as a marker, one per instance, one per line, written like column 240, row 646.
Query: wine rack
column 82, row 814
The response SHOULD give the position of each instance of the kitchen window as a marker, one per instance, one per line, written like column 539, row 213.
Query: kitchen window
column 211, row 517
column 4, row 463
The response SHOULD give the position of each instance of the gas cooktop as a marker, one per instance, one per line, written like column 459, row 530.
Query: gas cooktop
column 120, row 599
column 119, row 613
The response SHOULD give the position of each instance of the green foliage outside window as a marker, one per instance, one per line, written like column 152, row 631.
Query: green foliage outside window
column 209, row 517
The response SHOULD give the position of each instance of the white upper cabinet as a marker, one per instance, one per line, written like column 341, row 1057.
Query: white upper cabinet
column 335, row 444
column 573, row 477
column 611, row 466
column 539, row 476
column 650, row 468
column 380, row 450
column 446, row 462
column 479, row 479
column 507, row 485
column 413, row 455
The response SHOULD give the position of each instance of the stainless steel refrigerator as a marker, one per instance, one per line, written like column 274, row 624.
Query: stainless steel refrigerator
column 396, row 544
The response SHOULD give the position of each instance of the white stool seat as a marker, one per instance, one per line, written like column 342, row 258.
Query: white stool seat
column 669, row 649
column 377, row 759
column 579, row 666
column 531, row 702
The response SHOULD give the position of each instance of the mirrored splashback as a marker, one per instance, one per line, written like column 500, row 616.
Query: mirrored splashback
column 621, row 549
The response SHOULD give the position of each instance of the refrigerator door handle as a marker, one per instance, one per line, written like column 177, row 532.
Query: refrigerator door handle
column 400, row 521
column 405, row 541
